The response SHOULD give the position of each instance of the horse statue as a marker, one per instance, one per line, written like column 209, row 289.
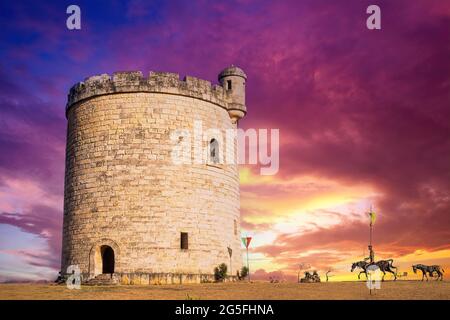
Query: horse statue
column 360, row 265
column 383, row 265
column 430, row 269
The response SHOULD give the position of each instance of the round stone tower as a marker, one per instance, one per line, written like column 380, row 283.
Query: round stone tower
column 130, row 211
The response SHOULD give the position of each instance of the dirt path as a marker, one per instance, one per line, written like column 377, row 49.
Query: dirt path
column 240, row 291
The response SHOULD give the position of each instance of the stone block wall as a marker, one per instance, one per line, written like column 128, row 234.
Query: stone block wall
column 123, row 191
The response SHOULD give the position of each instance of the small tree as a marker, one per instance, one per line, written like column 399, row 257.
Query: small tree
column 328, row 272
column 244, row 272
column 220, row 272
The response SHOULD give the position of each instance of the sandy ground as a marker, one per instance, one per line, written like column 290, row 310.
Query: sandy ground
column 239, row 291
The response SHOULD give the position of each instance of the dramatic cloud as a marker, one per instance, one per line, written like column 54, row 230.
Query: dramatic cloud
column 363, row 117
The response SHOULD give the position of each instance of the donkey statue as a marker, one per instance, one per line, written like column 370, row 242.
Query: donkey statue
column 430, row 269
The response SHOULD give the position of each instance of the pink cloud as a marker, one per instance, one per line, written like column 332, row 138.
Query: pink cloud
column 353, row 106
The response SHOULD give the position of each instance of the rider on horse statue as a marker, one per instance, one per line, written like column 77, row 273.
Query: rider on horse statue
column 371, row 256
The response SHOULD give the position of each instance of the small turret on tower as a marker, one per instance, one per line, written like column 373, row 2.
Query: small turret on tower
column 233, row 81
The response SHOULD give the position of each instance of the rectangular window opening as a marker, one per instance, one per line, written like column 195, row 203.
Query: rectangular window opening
column 228, row 84
column 184, row 241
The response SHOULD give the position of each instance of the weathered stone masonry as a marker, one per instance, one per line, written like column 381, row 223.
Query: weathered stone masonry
column 126, row 204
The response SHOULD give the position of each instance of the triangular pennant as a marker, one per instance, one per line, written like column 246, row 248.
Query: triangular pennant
column 248, row 241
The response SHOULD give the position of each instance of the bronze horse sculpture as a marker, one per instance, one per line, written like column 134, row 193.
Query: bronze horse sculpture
column 383, row 265
column 430, row 269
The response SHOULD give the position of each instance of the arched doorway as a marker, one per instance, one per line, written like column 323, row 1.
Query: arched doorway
column 104, row 257
column 107, row 254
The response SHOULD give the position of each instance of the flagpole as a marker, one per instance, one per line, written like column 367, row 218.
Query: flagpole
column 370, row 240
column 230, row 253
column 371, row 253
column 246, row 241
column 370, row 244
column 248, row 267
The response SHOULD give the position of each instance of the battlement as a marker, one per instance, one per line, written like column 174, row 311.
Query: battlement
column 156, row 82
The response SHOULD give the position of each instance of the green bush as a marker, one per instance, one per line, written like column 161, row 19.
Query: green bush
column 244, row 272
column 220, row 272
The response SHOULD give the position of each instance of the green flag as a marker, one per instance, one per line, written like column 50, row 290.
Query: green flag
column 372, row 217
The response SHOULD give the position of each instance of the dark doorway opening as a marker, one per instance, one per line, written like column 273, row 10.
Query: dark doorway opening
column 107, row 259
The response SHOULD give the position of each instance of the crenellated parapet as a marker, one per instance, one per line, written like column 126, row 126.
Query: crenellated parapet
column 156, row 82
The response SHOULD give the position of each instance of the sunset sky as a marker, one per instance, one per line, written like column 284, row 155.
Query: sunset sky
column 364, row 119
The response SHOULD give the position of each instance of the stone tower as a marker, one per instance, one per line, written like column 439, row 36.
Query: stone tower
column 129, row 210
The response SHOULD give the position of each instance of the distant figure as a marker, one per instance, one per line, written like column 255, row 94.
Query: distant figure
column 314, row 277
column 306, row 278
column 430, row 269
column 60, row 278
column 273, row 280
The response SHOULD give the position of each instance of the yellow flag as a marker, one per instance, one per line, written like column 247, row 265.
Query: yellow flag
column 372, row 217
